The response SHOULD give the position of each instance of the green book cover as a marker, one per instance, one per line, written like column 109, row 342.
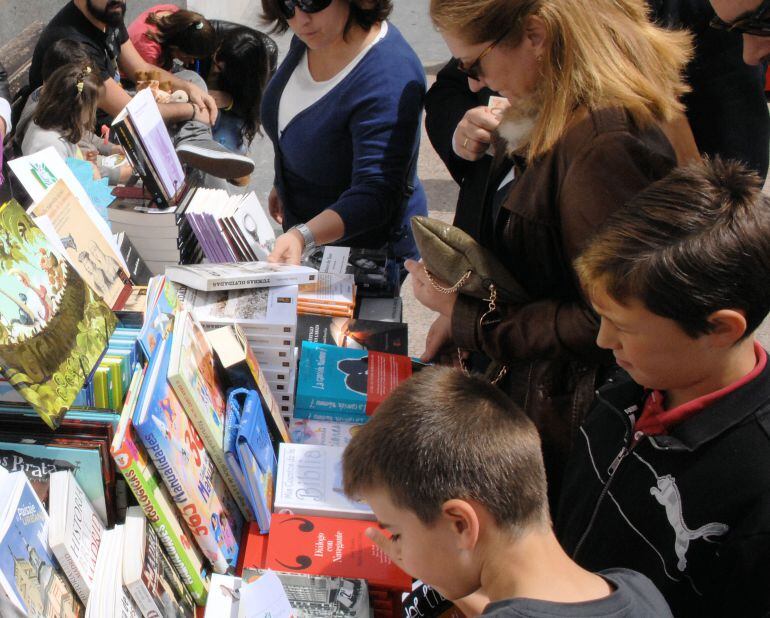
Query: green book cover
column 53, row 328
column 139, row 472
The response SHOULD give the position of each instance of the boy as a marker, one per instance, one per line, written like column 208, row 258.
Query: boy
column 453, row 470
column 670, row 475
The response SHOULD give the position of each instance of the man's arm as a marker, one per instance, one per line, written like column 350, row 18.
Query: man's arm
column 113, row 99
column 5, row 106
column 130, row 62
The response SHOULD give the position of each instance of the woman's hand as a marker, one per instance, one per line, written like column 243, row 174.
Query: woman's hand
column 288, row 248
column 439, row 335
column 275, row 206
column 223, row 99
column 426, row 293
column 473, row 134
column 202, row 100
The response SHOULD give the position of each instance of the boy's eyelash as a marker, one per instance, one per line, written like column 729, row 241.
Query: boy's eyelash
column 394, row 537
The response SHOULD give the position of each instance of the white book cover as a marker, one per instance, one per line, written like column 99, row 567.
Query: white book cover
column 224, row 594
column 310, row 483
column 75, row 532
column 267, row 310
column 239, row 276
column 254, row 227
column 264, row 597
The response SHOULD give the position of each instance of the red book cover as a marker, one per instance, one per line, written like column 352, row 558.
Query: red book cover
column 254, row 553
column 331, row 547
column 386, row 372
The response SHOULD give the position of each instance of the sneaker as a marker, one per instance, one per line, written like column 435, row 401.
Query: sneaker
column 213, row 158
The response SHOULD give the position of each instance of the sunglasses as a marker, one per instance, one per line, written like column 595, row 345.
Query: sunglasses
column 473, row 70
column 307, row 6
column 756, row 22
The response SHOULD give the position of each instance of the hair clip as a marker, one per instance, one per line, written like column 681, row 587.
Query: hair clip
column 80, row 85
column 88, row 70
column 199, row 25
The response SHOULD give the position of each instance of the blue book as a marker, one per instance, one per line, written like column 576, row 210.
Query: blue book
column 31, row 582
column 248, row 448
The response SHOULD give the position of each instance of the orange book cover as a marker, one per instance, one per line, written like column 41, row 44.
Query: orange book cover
column 331, row 547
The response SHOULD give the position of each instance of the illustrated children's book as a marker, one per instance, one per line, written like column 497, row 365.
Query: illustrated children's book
column 343, row 384
column 327, row 433
column 53, row 327
column 153, row 497
column 31, row 583
column 186, row 468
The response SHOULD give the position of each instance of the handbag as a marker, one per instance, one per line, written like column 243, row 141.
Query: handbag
column 451, row 255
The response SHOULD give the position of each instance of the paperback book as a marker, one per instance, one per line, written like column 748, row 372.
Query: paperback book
column 244, row 275
column 53, row 327
column 390, row 337
column 109, row 596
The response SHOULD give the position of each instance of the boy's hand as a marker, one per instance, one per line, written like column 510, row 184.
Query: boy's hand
column 387, row 546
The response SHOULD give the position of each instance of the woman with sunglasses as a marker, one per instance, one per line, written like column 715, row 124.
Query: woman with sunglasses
column 590, row 87
column 343, row 113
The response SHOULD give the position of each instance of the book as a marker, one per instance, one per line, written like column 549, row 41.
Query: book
column 31, row 582
column 373, row 272
column 241, row 368
column 53, row 327
column 250, row 452
column 244, row 275
column 263, row 596
column 196, row 487
column 91, row 252
column 321, row 433
column 381, row 309
column 223, row 601
column 193, row 377
column 138, row 271
column 390, row 337
column 109, row 597
column 137, row 157
column 153, row 498
column 330, row 547
column 309, row 482
column 260, row 311
column 147, row 572
column 75, row 532
column 330, row 294
column 342, row 384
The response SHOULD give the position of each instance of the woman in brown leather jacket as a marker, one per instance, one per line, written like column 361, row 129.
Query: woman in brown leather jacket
column 594, row 91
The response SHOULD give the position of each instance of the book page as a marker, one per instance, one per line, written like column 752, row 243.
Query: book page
column 264, row 598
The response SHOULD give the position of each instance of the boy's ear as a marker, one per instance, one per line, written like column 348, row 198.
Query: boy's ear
column 727, row 326
column 463, row 522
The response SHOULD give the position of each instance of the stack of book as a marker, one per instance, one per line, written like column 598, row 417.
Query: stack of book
column 230, row 228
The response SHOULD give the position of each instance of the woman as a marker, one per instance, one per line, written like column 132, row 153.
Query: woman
column 589, row 85
column 164, row 33
column 343, row 113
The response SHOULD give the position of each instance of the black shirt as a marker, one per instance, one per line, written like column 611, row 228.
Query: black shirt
column 70, row 23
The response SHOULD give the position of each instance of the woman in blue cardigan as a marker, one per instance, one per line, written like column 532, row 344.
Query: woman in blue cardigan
column 343, row 112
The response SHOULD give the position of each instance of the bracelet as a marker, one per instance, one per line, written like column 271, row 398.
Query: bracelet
column 307, row 236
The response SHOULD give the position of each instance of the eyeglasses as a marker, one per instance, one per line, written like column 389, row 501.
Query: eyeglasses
column 756, row 22
column 307, row 6
column 474, row 69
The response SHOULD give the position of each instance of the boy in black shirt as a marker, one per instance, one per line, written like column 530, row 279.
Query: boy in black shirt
column 670, row 475
column 454, row 472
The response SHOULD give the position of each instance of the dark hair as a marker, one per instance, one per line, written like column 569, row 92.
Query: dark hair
column 364, row 13
column 246, row 52
column 443, row 435
column 67, row 106
column 63, row 51
column 693, row 243
column 188, row 31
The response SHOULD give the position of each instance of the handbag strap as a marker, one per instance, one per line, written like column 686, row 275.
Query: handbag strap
column 452, row 289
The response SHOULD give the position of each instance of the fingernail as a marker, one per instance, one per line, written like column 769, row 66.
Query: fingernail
column 371, row 533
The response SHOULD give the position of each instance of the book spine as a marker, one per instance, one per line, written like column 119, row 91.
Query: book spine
column 72, row 571
column 143, row 600
column 329, row 415
column 153, row 498
column 215, row 451
column 239, row 283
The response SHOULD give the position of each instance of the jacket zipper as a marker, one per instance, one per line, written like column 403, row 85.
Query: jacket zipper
column 629, row 444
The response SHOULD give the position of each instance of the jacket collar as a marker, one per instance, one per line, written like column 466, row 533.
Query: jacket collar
column 621, row 391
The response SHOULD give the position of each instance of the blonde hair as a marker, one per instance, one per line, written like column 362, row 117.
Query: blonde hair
column 598, row 54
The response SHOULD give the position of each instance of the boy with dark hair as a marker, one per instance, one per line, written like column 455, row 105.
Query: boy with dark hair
column 454, row 472
column 670, row 475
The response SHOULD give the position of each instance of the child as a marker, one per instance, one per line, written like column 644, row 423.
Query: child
column 454, row 471
column 671, row 471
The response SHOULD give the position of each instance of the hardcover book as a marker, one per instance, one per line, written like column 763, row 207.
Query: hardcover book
column 75, row 532
column 31, row 582
column 185, row 467
column 148, row 575
column 53, row 327
column 153, row 497
column 331, row 547
column 310, row 483
column 244, row 275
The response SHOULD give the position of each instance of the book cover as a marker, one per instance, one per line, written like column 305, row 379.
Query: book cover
column 243, row 275
column 148, row 575
column 263, row 596
column 310, row 483
column 185, row 467
column 30, row 579
column 344, row 384
column 253, row 227
column 94, row 255
column 53, row 328
column 192, row 375
column 390, row 337
column 75, row 532
column 321, row 433
column 224, row 597
column 265, row 310
column 162, row 301
column 137, row 269
column 153, row 498
column 331, row 547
